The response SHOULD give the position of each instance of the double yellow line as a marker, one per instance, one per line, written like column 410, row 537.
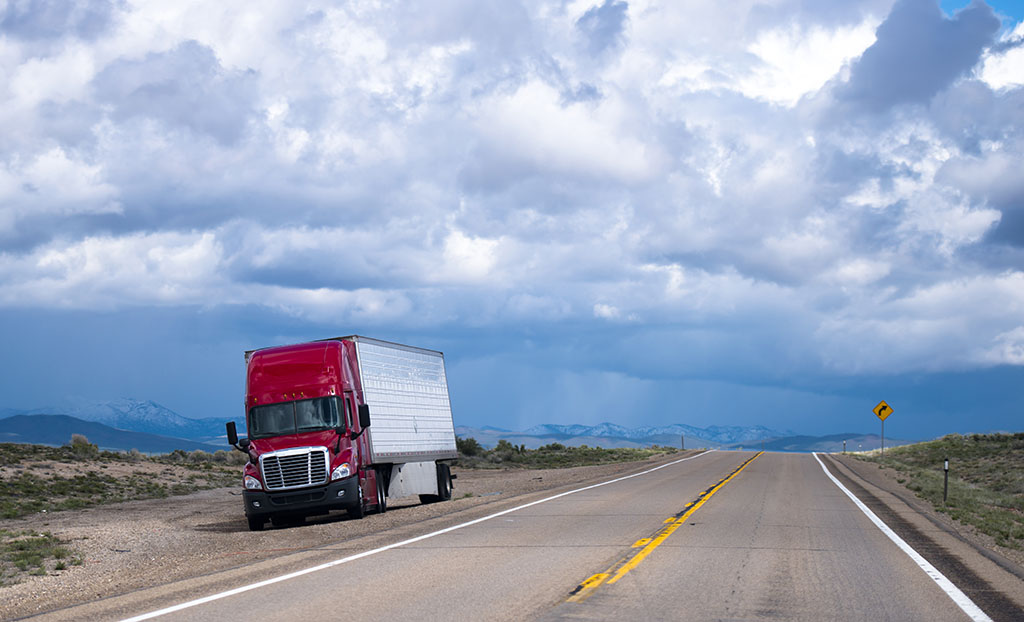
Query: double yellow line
column 647, row 545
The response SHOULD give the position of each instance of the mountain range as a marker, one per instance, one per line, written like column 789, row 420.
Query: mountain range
column 138, row 416
column 56, row 430
column 715, row 433
column 166, row 428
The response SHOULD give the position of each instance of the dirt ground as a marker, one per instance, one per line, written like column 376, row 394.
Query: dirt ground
column 45, row 468
column 138, row 544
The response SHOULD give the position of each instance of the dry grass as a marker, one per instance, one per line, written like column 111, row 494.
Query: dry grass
column 986, row 480
column 36, row 478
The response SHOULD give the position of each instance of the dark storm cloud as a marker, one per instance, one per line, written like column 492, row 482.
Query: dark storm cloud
column 184, row 87
column 1011, row 227
column 583, row 92
column 54, row 19
column 69, row 123
column 602, row 25
column 972, row 115
column 917, row 54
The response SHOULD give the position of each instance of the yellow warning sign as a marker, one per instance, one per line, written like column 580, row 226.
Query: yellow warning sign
column 883, row 410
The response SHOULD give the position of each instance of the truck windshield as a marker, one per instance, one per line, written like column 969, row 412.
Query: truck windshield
column 323, row 413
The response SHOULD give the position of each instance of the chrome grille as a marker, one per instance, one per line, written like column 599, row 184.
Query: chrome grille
column 294, row 468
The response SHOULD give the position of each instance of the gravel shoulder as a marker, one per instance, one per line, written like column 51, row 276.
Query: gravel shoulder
column 132, row 546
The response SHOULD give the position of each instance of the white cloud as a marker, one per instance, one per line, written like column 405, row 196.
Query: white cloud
column 797, row 61
column 58, row 78
column 859, row 272
column 332, row 306
column 607, row 312
column 1005, row 69
column 1008, row 348
column 954, row 324
column 107, row 272
column 533, row 126
column 467, row 258
column 53, row 184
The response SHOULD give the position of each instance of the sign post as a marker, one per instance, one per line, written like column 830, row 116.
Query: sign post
column 882, row 411
column 945, row 480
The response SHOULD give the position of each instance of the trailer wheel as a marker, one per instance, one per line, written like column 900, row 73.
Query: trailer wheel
column 359, row 509
column 444, row 482
column 382, row 494
column 255, row 524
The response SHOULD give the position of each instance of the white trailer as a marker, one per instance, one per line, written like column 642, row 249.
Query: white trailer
column 411, row 428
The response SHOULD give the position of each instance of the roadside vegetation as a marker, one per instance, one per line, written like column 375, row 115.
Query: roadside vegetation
column 37, row 478
column 28, row 552
column 472, row 455
column 986, row 480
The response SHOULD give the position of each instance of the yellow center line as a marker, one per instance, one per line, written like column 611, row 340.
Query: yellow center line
column 624, row 565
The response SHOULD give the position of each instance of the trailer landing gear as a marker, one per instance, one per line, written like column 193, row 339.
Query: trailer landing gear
column 444, row 486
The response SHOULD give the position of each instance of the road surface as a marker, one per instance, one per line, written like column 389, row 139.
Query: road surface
column 720, row 536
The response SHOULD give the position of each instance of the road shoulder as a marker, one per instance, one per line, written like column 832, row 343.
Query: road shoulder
column 946, row 544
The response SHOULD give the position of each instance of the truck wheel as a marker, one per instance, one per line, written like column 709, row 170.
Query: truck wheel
column 359, row 509
column 382, row 494
column 444, row 482
column 255, row 524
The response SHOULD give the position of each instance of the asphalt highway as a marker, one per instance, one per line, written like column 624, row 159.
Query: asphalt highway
column 720, row 536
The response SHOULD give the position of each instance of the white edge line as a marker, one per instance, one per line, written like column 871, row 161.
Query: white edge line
column 966, row 604
column 338, row 562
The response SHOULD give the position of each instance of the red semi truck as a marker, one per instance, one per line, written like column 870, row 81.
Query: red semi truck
column 343, row 423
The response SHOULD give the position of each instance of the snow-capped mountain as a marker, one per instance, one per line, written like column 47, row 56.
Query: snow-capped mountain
column 715, row 433
column 136, row 416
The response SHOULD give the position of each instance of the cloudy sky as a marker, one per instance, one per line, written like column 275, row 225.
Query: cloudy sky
column 772, row 213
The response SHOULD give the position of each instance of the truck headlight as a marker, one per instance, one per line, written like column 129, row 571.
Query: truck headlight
column 251, row 483
column 341, row 471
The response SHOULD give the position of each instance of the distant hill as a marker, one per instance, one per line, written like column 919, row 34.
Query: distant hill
column 716, row 437
column 56, row 430
column 138, row 416
column 489, row 437
column 660, row 434
column 830, row 443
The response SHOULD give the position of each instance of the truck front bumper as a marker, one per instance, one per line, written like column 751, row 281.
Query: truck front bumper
column 338, row 495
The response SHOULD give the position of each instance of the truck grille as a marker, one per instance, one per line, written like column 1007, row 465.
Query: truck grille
column 294, row 468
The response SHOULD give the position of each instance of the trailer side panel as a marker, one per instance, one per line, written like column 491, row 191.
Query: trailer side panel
column 407, row 391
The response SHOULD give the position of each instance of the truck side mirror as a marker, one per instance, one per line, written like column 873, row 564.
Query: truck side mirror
column 364, row 416
column 243, row 445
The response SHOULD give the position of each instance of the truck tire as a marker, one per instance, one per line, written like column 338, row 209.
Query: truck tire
column 382, row 494
column 444, row 482
column 255, row 524
column 359, row 509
